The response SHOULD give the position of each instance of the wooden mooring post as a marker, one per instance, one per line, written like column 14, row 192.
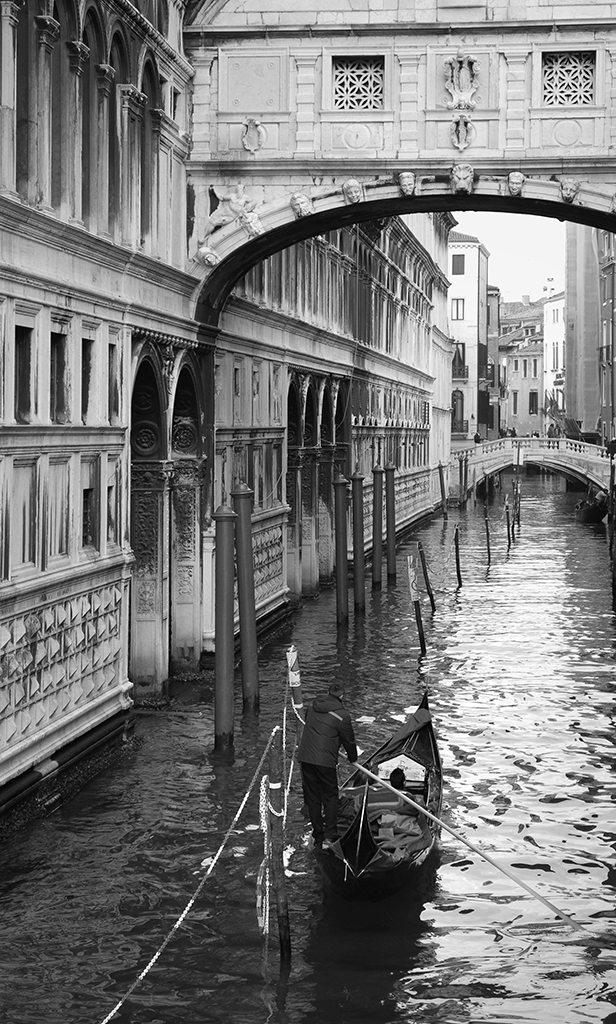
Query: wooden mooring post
column 508, row 518
column 410, row 563
column 276, row 811
column 456, row 541
column 295, row 687
column 487, row 520
column 424, row 567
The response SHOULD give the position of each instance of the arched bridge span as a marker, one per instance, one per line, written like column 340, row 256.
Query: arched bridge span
column 589, row 464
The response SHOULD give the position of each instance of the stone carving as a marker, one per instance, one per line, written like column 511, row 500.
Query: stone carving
column 253, row 135
column 407, row 182
column 462, row 178
column 462, row 131
column 352, row 191
column 232, row 206
column 168, row 354
column 461, row 80
column 515, row 182
column 569, row 188
column 251, row 223
column 301, row 205
column 207, row 256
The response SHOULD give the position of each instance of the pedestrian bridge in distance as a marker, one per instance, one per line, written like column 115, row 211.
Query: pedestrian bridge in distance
column 576, row 460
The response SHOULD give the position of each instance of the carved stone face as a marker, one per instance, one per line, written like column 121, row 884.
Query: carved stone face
column 301, row 204
column 516, row 181
column 352, row 190
column 407, row 181
column 206, row 256
column 569, row 188
column 462, row 176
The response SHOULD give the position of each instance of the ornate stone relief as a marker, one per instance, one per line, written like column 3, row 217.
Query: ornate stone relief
column 301, row 204
column 462, row 178
column 253, row 135
column 462, row 131
column 407, row 182
column 461, row 80
column 234, row 205
column 515, row 183
column 569, row 188
column 353, row 190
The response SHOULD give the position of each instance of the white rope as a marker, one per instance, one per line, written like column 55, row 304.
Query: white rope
column 197, row 891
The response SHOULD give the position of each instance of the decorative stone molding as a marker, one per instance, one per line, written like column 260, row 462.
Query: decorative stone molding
column 462, row 131
column 569, row 188
column 462, row 178
column 105, row 74
column 515, row 183
column 48, row 31
column 353, row 191
column 461, row 80
column 301, row 204
column 78, row 55
column 254, row 135
column 407, row 183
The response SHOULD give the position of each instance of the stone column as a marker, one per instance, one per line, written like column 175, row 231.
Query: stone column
column 306, row 100
column 78, row 55
column 9, row 16
column 517, row 102
column 99, row 215
column 48, row 32
column 409, row 101
column 186, row 565
column 131, row 113
column 294, row 522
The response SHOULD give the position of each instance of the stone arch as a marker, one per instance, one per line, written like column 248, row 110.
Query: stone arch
column 294, row 415
column 327, row 418
column 186, row 438
column 148, row 433
column 457, row 409
column 247, row 238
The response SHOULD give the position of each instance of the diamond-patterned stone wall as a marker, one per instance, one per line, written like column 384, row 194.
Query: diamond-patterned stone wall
column 56, row 660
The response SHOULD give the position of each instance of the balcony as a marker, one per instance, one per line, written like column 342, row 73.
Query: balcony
column 459, row 372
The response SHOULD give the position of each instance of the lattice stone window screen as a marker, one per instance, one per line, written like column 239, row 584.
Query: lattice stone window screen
column 358, row 83
column 569, row 78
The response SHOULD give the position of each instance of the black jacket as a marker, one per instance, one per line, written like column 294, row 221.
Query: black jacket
column 328, row 727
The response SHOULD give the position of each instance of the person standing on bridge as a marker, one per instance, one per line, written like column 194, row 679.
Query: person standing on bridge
column 328, row 727
column 477, row 438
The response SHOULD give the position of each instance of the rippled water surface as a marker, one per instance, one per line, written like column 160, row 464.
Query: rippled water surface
column 520, row 672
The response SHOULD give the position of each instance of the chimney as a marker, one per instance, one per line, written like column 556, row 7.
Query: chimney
column 526, row 300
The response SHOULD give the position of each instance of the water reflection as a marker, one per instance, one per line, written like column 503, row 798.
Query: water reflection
column 520, row 669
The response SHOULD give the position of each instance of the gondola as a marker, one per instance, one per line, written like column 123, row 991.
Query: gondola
column 385, row 842
column 592, row 510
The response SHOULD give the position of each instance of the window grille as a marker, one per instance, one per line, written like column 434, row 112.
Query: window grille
column 359, row 83
column 568, row 78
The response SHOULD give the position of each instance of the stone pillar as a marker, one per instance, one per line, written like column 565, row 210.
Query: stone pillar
column 409, row 101
column 517, row 102
column 294, row 523
column 99, row 217
column 150, row 591
column 9, row 16
column 310, row 524
column 186, row 566
column 306, row 100
column 326, row 515
column 48, row 31
column 131, row 113
column 78, row 54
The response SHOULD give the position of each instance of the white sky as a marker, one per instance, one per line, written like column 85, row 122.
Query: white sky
column 524, row 251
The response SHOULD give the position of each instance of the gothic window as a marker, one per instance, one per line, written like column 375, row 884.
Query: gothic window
column 89, row 119
column 358, row 83
column 568, row 78
column 119, row 63
column 149, row 157
column 60, row 141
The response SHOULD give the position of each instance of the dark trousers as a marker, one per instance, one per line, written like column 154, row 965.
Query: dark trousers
column 320, row 787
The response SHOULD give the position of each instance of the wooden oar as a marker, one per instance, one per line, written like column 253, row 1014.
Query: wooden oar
column 463, row 839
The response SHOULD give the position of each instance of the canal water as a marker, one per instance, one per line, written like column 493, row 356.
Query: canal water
column 520, row 674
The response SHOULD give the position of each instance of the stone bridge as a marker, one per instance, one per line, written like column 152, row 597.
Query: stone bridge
column 312, row 116
column 589, row 464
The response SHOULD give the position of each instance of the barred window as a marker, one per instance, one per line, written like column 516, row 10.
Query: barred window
column 359, row 83
column 568, row 78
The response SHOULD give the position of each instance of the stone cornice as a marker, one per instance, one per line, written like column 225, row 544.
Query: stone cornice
column 449, row 33
column 133, row 17
column 348, row 166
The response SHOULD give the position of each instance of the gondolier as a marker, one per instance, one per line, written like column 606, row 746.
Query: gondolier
column 328, row 727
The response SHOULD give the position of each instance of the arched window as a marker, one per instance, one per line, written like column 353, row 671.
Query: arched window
column 89, row 124
column 60, row 143
column 119, row 63
column 149, row 159
column 25, row 62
